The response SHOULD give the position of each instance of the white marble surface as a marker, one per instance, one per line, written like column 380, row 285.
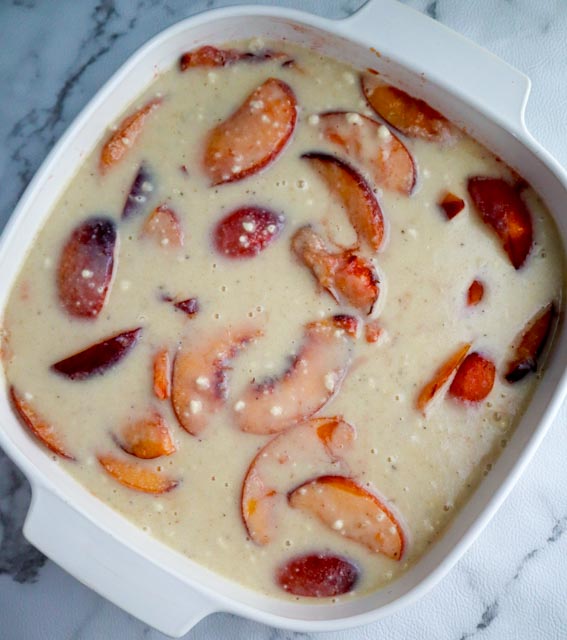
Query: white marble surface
column 513, row 581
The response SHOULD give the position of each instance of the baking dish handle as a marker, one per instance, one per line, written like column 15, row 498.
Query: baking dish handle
column 111, row 569
column 442, row 55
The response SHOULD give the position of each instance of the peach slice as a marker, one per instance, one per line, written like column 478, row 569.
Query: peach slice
column 162, row 374
column 474, row 379
column 451, row 205
column 313, row 379
column 372, row 146
column 98, row 358
column 529, row 345
column 136, row 475
column 373, row 331
column 200, row 381
column 475, row 293
column 164, row 228
column 351, row 510
column 85, row 268
column 503, row 210
column 347, row 276
column 210, row 57
column 253, row 136
column 317, row 575
column 39, row 427
column 441, row 377
column 412, row 116
column 147, row 437
column 354, row 194
column 129, row 130
column 312, row 447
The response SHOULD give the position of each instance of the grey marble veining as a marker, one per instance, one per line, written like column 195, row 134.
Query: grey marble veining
column 512, row 583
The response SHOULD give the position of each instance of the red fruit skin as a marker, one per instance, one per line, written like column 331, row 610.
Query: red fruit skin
column 475, row 294
column 451, row 205
column 501, row 208
column 139, row 193
column 85, row 268
column 317, row 575
column 190, row 306
column 531, row 343
column 98, row 358
column 209, row 56
column 474, row 379
column 232, row 240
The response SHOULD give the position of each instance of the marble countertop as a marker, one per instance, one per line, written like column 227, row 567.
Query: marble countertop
column 512, row 582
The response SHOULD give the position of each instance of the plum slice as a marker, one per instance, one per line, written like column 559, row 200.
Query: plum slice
column 147, row 437
column 441, row 377
column 317, row 575
column 308, row 384
column 474, row 379
column 529, row 345
column 200, row 380
column 128, row 131
column 412, row 116
column 371, row 145
column 354, row 194
column 44, row 431
column 475, row 293
column 451, row 205
column 503, row 210
column 348, row 277
column 164, row 228
column 352, row 511
column 162, row 374
column 136, row 475
column 253, row 136
column 312, row 447
column 210, row 57
column 99, row 357
column 140, row 192
column 86, row 266
column 247, row 231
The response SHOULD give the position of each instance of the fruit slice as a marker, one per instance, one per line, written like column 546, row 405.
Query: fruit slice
column 40, row 428
column 353, row 193
column 200, row 380
column 474, row 379
column 136, row 475
column 312, row 380
column 208, row 56
column 373, row 331
column 451, row 205
column 348, row 508
column 371, row 145
column 189, row 307
column 313, row 447
column 529, row 345
column 475, row 294
column 413, row 117
column 85, row 268
column 98, row 358
column 147, row 437
column 140, row 192
column 164, row 228
column 317, row 575
column 121, row 140
column 501, row 208
column 253, row 136
column 347, row 276
column 441, row 377
column 162, row 374
column 247, row 231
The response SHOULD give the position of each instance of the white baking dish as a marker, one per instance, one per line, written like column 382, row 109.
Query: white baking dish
column 100, row 547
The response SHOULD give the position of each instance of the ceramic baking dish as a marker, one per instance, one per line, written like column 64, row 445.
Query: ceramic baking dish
column 103, row 549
